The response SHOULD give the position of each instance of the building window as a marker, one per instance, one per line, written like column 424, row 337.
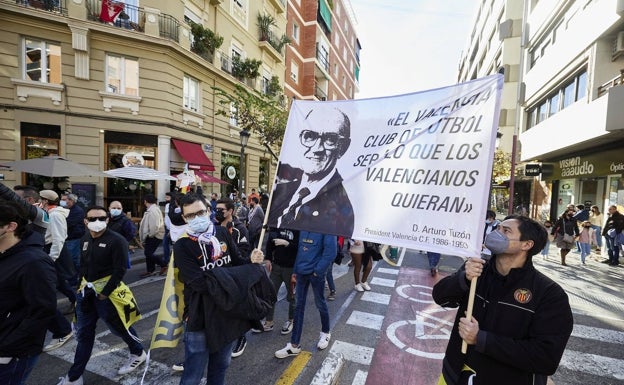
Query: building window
column 571, row 92
column 233, row 115
column 41, row 61
column 191, row 93
column 38, row 140
column 239, row 11
column 294, row 72
column 295, row 32
column 122, row 75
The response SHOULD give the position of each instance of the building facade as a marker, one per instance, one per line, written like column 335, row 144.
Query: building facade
column 572, row 121
column 323, row 58
column 105, row 84
column 563, row 63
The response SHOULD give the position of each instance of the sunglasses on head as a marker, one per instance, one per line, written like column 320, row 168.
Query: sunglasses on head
column 93, row 219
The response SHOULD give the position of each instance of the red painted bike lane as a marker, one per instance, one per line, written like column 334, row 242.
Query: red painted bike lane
column 414, row 335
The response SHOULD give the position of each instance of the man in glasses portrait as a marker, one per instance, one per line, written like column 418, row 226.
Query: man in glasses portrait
column 311, row 191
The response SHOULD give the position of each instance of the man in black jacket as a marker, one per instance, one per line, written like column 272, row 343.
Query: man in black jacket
column 103, row 263
column 615, row 222
column 209, row 332
column 521, row 319
column 28, row 301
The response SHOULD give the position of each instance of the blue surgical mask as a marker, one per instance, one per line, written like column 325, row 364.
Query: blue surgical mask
column 63, row 203
column 496, row 242
column 199, row 224
column 115, row 212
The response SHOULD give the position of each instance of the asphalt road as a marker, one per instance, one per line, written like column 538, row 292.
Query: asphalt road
column 372, row 332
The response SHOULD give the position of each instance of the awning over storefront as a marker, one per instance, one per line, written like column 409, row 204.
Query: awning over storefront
column 194, row 155
column 207, row 178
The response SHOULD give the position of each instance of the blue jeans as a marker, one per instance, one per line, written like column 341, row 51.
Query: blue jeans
column 614, row 250
column 597, row 231
column 73, row 248
column 330, row 277
column 434, row 259
column 546, row 248
column 16, row 372
column 585, row 250
column 88, row 310
column 197, row 358
column 301, row 292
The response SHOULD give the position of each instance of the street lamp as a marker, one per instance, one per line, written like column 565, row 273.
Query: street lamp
column 244, row 138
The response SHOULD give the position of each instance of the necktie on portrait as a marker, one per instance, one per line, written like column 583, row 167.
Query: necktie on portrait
column 289, row 217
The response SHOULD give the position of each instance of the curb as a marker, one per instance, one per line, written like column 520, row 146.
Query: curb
column 330, row 370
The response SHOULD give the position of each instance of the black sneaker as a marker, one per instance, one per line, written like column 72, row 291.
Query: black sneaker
column 241, row 344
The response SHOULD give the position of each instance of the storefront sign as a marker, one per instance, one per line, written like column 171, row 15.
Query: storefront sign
column 593, row 165
column 532, row 169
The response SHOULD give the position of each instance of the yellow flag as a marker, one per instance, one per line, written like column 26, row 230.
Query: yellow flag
column 169, row 327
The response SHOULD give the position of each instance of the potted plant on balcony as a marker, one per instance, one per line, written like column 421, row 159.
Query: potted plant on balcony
column 265, row 22
column 205, row 42
column 245, row 68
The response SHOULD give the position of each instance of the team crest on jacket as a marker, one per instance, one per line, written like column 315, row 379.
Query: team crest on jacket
column 523, row 295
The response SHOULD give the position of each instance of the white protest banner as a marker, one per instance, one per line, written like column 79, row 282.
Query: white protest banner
column 411, row 170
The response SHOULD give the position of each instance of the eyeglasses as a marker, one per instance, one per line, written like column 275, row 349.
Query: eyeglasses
column 191, row 216
column 93, row 219
column 329, row 140
column 220, row 209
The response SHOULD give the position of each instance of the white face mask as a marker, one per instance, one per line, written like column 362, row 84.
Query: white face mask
column 63, row 203
column 97, row 226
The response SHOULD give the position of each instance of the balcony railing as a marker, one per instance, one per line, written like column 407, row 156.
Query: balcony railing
column 319, row 93
column 133, row 18
column 616, row 81
column 58, row 6
column 169, row 27
column 273, row 40
column 323, row 58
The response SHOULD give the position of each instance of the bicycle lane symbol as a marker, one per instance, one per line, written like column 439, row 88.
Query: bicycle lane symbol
column 430, row 331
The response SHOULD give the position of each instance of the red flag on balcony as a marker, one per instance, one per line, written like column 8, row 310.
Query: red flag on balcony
column 110, row 10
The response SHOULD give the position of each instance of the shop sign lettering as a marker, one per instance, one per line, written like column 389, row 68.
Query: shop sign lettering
column 574, row 167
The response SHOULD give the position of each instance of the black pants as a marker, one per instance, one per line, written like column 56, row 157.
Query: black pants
column 151, row 244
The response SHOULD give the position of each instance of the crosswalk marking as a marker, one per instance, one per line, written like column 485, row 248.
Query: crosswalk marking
column 352, row 352
column 366, row 320
column 372, row 296
column 383, row 282
column 593, row 364
column 360, row 378
column 598, row 334
column 385, row 270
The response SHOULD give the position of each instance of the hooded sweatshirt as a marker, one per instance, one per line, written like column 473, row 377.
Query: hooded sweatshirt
column 56, row 233
column 28, row 300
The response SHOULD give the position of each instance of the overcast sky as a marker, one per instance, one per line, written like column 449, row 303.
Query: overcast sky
column 410, row 45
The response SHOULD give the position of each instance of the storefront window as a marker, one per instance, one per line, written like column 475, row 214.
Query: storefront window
column 230, row 172
column 40, row 140
column 129, row 192
column 616, row 192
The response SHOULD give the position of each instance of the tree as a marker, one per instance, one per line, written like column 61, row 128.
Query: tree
column 255, row 112
column 501, row 167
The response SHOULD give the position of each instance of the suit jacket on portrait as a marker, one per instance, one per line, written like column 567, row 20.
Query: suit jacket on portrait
column 329, row 212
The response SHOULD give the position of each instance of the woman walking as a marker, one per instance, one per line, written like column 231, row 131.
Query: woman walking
column 596, row 219
column 360, row 262
column 566, row 230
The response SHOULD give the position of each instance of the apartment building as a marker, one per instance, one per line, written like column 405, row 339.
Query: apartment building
column 323, row 58
column 103, row 82
column 493, row 46
column 572, row 116
column 567, row 84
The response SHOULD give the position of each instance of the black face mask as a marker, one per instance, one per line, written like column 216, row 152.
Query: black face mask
column 220, row 216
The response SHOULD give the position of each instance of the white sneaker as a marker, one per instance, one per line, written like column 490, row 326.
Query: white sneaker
column 365, row 286
column 65, row 381
column 358, row 287
column 323, row 340
column 287, row 327
column 57, row 343
column 133, row 362
column 287, row 351
column 179, row 367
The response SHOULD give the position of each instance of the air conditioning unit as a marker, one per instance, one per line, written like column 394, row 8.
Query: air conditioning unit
column 618, row 44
